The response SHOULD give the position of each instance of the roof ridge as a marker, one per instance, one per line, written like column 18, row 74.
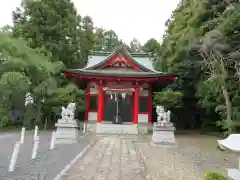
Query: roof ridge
column 122, row 50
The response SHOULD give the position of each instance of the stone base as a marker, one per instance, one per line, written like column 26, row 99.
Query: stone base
column 233, row 174
column 67, row 132
column 163, row 136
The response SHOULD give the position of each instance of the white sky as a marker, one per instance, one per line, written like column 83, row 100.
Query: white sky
column 143, row 19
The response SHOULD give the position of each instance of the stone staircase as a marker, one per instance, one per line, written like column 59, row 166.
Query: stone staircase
column 106, row 128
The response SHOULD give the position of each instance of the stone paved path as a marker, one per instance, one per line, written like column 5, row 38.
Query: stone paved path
column 111, row 158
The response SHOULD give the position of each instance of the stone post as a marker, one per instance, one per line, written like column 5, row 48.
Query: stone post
column 35, row 133
column 53, row 140
column 35, row 148
column 84, row 127
column 14, row 157
column 22, row 135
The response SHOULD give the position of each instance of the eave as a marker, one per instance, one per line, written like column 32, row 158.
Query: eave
column 139, row 76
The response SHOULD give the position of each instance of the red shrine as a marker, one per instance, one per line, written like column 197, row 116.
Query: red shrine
column 119, row 86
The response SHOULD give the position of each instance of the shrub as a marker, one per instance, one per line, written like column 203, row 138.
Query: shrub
column 214, row 176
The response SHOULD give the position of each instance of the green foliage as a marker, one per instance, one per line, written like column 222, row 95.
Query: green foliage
column 13, row 85
column 106, row 40
column 63, row 96
column 214, row 176
column 47, row 39
column 51, row 25
column 201, row 45
column 24, row 70
column 151, row 46
column 168, row 98
column 206, row 58
column 5, row 116
column 63, row 39
column 29, row 117
column 209, row 93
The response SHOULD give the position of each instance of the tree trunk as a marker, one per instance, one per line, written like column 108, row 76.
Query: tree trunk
column 228, row 108
column 38, row 112
column 45, row 124
column 228, row 102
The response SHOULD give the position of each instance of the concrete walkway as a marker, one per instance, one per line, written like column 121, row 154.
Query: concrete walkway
column 111, row 158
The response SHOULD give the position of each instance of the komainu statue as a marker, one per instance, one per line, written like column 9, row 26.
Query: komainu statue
column 162, row 115
column 68, row 113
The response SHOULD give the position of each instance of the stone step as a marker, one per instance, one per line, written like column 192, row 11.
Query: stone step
column 116, row 129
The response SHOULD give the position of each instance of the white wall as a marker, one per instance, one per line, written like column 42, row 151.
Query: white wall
column 92, row 116
column 143, row 93
column 93, row 91
column 143, row 118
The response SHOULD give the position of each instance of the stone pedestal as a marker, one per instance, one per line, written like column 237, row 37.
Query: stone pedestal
column 67, row 132
column 163, row 135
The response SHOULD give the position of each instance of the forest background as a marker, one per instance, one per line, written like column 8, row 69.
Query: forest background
column 201, row 45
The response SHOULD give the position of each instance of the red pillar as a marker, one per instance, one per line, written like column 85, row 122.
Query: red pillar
column 133, row 115
column 150, row 105
column 100, row 103
column 87, row 101
column 136, row 102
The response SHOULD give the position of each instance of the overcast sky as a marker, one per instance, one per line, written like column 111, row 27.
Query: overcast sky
column 143, row 19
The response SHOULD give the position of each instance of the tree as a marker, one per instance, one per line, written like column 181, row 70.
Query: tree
column 111, row 40
column 135, row 46
column 55, row 29
column 212, row 50
column 51, row 25
column 168, row 98
column 192, row 21
column 13, row 86
column 62, row 97
column 25, row 70
column 106, row 40
column 87, row 34
column 151, row 46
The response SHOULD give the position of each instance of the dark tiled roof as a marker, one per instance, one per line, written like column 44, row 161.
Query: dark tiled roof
column 141, row 59
column 96, row 59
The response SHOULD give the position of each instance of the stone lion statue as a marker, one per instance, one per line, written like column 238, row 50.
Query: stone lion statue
column 162, row 115
column 160, row 112
column 68, row 113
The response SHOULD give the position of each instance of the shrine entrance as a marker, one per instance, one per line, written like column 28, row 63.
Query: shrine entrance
column 118, row 107
column 119, row 87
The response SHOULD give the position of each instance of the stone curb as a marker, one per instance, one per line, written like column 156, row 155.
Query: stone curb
column 68, row 166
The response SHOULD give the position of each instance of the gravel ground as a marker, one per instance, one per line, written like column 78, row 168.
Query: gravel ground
column 196, row 155
column 48, row 163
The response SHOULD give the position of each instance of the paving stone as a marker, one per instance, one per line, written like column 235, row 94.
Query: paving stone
column 109, row 159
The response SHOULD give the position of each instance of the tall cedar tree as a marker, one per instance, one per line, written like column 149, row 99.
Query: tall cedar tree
column 51, row 25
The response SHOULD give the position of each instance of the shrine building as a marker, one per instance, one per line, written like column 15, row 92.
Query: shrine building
column 119, row 88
